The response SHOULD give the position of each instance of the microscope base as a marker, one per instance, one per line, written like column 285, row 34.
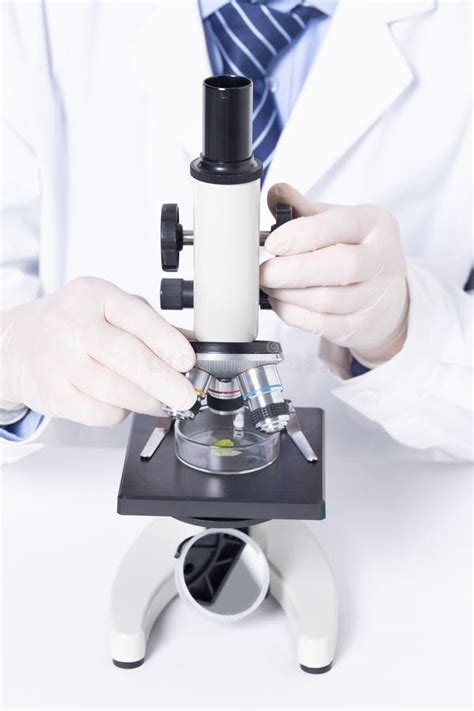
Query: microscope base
column 301, row 581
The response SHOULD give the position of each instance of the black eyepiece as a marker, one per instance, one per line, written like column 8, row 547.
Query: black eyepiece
column 227, row 119
column 226, row 157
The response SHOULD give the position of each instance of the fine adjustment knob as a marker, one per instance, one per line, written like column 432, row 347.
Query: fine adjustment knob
column 283, row 213
column 171, row 237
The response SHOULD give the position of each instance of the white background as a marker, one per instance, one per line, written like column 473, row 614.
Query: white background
column 398, row 535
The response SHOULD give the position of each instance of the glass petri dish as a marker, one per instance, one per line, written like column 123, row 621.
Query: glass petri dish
column 224, row 444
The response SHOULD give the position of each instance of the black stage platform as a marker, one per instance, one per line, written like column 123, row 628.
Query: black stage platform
column 290, row 488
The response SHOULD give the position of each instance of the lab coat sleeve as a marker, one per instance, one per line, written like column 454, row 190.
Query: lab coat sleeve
column 19, row 257
column 423, row 396
column 20, row 205
column 21, row 187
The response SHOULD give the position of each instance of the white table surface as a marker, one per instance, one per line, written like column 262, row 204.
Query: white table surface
column 398, row 535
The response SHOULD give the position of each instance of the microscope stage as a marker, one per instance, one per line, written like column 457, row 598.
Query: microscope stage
column 290, row 488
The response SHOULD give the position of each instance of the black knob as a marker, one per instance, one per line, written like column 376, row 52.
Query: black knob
column 283, row 213
column 171, row 237
column 264, row 301
column 176, row 294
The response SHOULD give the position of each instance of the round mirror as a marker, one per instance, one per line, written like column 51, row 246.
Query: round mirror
column 223, row 573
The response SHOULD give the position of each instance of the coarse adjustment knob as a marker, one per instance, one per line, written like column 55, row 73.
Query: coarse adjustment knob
column 171, row 237
column 176, row 294
column 283, row 213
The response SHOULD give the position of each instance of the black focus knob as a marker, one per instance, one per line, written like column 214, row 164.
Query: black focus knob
column 171, row 237
column 176, row 294
column 283, row 213
column 264, row 301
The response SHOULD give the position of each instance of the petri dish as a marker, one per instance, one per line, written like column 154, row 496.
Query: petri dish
column 224, row 444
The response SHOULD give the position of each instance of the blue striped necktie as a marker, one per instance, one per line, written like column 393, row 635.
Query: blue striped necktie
column 251, row 37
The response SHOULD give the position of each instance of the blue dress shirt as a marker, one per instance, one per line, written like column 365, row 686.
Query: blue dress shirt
column 22, row 429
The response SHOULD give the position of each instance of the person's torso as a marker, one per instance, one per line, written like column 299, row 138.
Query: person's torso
column 380, row 120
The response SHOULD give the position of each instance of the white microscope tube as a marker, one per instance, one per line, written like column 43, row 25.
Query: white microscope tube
column 226, row 249
column 226, row 216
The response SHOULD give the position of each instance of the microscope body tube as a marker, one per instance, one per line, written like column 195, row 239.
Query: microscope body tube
column 226, row 271
column 226, row 216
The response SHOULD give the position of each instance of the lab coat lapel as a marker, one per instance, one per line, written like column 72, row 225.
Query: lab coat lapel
column 171, row 60
column 358, row 74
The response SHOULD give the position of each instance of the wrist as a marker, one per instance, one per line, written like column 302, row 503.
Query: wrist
column 380, row 354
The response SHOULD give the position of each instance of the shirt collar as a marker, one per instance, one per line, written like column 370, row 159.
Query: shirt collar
column 328, row 7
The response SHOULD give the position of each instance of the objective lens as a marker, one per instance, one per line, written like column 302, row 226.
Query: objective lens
column 224, row 396
column 200, row 381
column 263, row 392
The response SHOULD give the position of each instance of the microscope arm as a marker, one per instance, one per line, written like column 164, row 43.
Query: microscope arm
column 302, row 582
column 143, row 587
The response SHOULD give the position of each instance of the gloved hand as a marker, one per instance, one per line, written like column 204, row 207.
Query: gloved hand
column 339, row 272
column 91, row 352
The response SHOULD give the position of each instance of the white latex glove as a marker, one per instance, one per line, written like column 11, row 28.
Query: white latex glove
column 339, row 272
column 91, row 352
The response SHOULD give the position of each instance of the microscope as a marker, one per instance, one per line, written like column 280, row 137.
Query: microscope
column 229, row 482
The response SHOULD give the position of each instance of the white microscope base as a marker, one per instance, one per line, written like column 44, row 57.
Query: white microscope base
column 301, row 581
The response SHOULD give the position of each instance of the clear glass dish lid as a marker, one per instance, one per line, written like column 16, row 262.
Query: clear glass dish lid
column 224, row 444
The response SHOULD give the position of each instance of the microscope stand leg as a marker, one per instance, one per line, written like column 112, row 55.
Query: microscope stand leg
column 143, row 586
column 302, row 582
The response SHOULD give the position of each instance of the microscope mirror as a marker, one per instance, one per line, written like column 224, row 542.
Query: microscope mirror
column 222, row 573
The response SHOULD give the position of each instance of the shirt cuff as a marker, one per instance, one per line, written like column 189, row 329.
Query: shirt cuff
column 23, row 440
column 12, row 415
column 358, row 369
column 21, row 429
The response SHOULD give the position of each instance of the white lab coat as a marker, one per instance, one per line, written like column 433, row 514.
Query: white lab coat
column 102, row 110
